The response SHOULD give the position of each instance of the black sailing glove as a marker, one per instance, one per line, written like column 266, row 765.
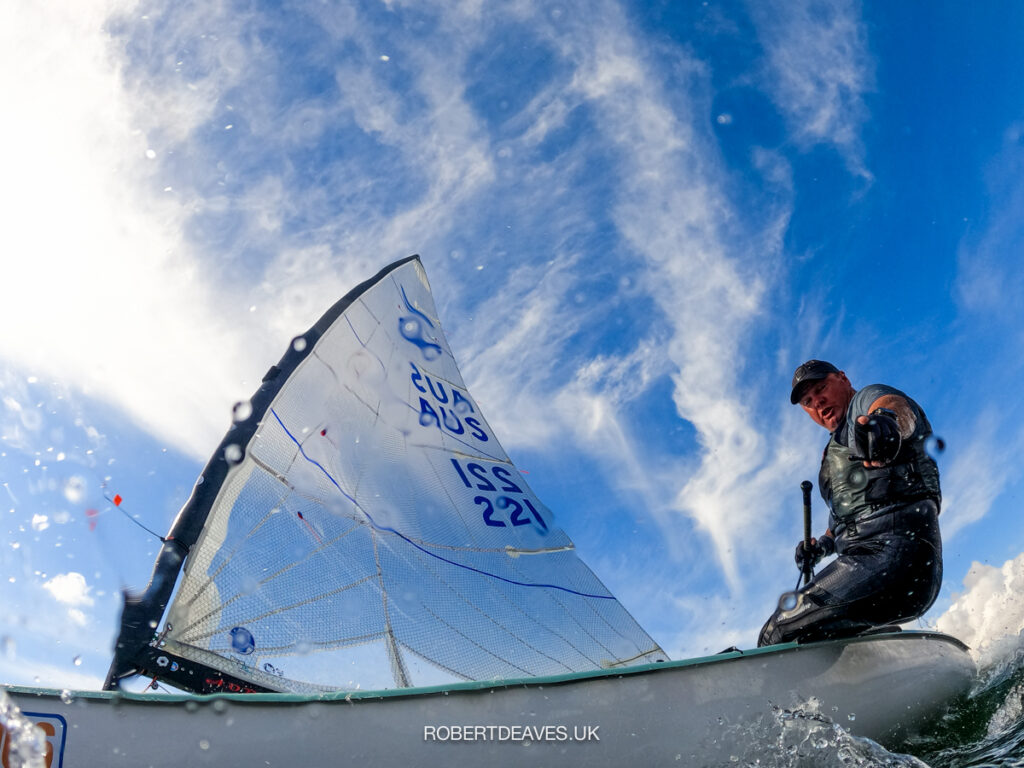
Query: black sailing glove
column 822, row 547
column 879, row 439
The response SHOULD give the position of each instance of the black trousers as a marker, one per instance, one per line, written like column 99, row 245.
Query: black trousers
column 889, row 570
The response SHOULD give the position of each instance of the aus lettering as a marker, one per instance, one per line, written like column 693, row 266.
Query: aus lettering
column 447, row 408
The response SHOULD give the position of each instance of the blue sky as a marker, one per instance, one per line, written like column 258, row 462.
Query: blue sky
column 637, row 219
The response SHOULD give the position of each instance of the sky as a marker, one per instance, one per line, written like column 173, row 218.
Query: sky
column 637, row 219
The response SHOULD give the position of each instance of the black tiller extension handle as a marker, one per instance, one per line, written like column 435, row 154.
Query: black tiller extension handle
column 808, row 568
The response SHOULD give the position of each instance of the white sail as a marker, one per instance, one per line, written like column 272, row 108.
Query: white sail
column 373, row 533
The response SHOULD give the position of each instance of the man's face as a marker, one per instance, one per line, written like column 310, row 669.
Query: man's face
column 826, row 400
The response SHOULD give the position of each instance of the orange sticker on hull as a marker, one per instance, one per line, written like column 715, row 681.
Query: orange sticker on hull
column 53, row 728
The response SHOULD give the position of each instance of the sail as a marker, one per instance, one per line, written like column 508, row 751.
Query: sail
column 362, row 527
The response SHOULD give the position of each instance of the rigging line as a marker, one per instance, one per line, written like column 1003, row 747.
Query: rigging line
column 386, row 529
column 125, row 513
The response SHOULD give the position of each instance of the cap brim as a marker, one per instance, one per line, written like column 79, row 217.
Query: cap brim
column 798, row 390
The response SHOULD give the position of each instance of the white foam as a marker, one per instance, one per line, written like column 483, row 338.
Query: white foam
column 989, row 614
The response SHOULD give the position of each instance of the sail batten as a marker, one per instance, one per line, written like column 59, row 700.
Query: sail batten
column 363, row 527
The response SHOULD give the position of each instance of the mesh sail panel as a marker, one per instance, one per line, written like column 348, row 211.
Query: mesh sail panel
column 374, row 533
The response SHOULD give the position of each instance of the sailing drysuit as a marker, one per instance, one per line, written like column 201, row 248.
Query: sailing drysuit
column 886, row 527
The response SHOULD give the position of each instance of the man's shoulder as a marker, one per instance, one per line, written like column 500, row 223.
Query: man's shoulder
column 861, row 402
column 865, row 396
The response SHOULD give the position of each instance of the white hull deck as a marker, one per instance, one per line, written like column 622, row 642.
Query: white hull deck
column 695, row 712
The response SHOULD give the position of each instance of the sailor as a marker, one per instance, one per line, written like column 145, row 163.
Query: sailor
column 882, row 491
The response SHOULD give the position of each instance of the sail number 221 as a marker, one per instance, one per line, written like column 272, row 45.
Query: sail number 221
column 499, row 479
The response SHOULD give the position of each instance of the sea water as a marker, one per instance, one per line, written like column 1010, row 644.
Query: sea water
column 982, row 730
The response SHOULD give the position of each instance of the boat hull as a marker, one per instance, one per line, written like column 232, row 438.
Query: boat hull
column 697, row 712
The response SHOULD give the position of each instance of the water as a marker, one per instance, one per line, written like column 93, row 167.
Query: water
column 984, row 730
column 23, row 743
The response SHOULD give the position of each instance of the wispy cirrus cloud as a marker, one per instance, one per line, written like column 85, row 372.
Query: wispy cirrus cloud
column 248, row 172
column 817, row 70
column 103, row 276
column 984, row 277
column 977, row 474
column 700, row 281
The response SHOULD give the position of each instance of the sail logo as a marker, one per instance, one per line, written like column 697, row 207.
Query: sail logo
column 53, row 727
column 413, row 329
column 446, row 407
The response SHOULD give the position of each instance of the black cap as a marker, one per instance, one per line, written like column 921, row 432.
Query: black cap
column 812, row 370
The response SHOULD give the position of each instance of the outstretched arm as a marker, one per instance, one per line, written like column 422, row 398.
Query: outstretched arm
column 905, row 417
column 879, row 434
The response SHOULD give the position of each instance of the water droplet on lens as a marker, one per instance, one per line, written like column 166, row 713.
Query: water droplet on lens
column 242, row 410
column 74, row 489
column 788, row 601
column 7, row 646
column 204, row 744
column 427, row 419
column 78, row 661
column 298, row 343
column 851, row 716
column 66, row 696
column 233, row 453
